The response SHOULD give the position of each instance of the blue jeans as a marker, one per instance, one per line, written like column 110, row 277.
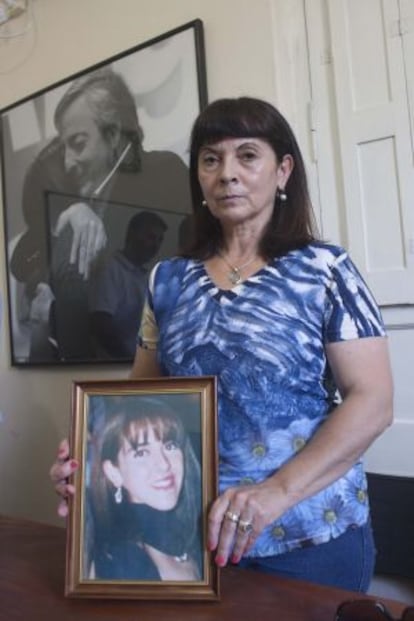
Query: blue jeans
column 346, row 562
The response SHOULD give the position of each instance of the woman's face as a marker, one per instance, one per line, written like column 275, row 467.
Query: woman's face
column 153, row 472
column 239, row 178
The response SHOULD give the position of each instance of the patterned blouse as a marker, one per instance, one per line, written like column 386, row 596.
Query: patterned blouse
column 265, row 341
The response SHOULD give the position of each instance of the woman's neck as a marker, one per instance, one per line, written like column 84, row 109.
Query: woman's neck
column 240, row 244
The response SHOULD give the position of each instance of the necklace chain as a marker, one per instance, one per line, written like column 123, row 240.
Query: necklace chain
column 234, row 275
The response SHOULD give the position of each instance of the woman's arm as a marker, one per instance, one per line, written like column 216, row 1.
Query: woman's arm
column 145, row 364
column 362, row 372
column 361, row 369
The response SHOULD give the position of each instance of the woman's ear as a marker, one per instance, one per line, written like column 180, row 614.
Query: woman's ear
column 112, row 473
column 284, row 169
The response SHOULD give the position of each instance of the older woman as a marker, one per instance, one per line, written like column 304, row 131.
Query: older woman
column 296, row 340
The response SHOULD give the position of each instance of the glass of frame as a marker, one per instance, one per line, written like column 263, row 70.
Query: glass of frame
column 137, row 523
column 95, row 192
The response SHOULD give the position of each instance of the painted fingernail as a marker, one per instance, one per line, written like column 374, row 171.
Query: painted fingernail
column 210, row 546
column 235, row 558
column 74, row 464
column 220, row 561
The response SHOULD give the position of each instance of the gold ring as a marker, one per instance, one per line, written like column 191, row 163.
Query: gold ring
column 233, row 517
column 245, row 526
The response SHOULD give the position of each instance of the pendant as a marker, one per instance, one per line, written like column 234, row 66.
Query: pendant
column 181, row 559
column 234, row 276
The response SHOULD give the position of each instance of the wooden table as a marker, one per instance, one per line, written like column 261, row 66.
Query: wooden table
column 32, row 560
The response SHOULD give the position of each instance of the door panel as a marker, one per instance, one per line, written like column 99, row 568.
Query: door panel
column 376, row 174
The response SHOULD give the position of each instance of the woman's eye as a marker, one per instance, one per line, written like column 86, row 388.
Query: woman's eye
column 248, row 156
column 140, row 452
column 171, row 445
column 209, row 160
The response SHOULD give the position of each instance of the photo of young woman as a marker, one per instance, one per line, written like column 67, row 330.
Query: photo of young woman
column 143, row 493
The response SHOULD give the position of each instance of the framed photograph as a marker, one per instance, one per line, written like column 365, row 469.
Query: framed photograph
column 148, row 474
column 95, row 192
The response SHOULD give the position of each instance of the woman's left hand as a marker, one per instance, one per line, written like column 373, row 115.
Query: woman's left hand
column 239, row 515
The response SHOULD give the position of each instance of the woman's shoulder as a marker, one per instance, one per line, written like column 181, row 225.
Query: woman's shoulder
column 171, row 266
column 325, row 249
column 321, row 254
column 167, row 277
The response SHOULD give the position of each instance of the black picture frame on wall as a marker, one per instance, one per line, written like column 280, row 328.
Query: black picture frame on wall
column 95, row 192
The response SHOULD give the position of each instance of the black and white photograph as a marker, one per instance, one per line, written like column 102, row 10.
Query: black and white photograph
column 96, row 191
column 146, row 480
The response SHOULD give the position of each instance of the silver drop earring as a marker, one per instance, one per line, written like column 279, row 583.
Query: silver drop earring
column 204, row 203
column 118, row 495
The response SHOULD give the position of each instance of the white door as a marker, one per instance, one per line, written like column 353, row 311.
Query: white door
column 364, row 51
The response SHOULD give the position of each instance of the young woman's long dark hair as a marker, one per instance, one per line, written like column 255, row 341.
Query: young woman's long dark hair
column 292, row 224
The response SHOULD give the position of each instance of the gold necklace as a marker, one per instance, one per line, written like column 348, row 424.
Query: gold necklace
column 234, row 275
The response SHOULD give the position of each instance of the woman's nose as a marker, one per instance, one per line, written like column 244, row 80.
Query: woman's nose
column 163, row 462
column 228, row 171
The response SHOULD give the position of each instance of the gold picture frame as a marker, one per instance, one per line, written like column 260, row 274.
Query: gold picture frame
column 147, row 475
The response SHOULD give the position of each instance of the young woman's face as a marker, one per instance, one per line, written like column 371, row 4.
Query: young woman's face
column 153, row 472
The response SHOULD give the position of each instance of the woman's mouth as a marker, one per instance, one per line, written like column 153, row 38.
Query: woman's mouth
column 230, row 198
column 165, row 483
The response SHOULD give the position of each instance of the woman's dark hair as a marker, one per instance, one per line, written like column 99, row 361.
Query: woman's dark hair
column 292, row 224
column 136, row 416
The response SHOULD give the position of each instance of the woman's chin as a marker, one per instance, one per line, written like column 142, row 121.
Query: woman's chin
column 166, row 504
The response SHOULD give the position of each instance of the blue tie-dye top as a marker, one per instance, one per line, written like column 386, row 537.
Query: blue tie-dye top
column 265, row 341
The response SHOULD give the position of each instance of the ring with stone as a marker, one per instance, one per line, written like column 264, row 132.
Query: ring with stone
column 245, row 526
column 233, row 517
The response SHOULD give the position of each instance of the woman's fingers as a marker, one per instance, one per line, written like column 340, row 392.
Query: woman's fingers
column 237, row 518
column 60, row 472
column 63, row 450
column 63, row 509
column 215, row 520
column 236, row 535
column 244, row 539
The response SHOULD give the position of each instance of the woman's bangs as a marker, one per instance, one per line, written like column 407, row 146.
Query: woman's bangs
column 164, row 428
column 218, row 127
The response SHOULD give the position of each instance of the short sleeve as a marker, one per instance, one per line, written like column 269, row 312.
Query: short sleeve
column 148, row 332
column 351, row 311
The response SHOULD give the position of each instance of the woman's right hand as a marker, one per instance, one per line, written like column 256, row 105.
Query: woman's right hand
column 60, row 473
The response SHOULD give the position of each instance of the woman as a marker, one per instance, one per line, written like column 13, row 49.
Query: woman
column 145, row 496
column 296, row 340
